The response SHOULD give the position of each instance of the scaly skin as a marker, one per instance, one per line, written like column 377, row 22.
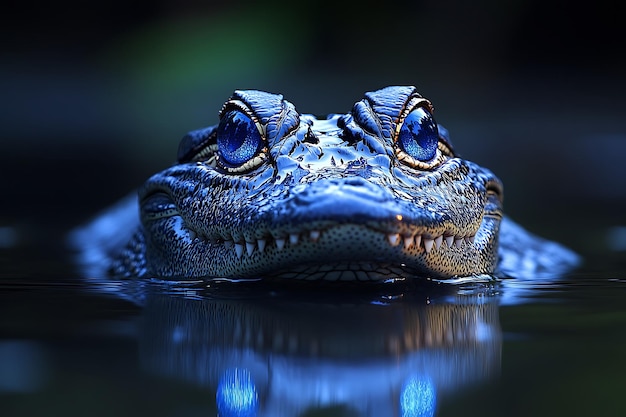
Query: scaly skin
column 334, row 199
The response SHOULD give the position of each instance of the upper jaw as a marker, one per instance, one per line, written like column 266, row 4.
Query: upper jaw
column 301, row 219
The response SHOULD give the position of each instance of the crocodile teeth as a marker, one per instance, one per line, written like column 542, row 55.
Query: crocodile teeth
column 428, row 244
column 249, row 248
column 393, row 238
column 238, row 249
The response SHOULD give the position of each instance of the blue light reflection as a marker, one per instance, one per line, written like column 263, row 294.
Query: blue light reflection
column 418, row 398
column 236, row 394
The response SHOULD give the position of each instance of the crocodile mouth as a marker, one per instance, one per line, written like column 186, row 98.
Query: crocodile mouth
column 354, row 252
column 333, row 229
column 349, row 252
column 353, row 246
column 423, row 242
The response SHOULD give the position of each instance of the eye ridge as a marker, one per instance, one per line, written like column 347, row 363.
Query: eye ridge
column 418, row 135
column 238, row 139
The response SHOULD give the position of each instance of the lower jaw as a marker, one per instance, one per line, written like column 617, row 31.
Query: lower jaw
column 347, row 272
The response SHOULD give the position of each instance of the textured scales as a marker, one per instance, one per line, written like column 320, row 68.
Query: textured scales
column 335, row 199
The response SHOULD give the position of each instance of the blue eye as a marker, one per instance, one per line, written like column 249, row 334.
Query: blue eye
column 419, row 136
column 238, row 139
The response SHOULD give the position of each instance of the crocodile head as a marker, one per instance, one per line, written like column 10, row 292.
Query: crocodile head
column 377, row 193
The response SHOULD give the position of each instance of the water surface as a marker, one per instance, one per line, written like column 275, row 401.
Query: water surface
column 73, row 347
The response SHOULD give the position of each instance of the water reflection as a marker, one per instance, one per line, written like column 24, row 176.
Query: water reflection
column 237, row 394
column 289, row 354
column 23, row 366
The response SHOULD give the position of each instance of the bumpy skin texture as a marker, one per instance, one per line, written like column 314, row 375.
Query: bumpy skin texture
column 335, row 199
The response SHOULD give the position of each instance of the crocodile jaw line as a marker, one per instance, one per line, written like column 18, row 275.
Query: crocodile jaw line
column 313, row 253
column 425, row 242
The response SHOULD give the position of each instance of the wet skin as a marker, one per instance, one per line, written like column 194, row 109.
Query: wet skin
column 374, row 194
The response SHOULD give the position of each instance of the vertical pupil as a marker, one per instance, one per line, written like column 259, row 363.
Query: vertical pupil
column 238, row 138
column 418, row 135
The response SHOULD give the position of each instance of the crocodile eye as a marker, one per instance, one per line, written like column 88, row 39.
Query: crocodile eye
column 418, row 135
column 419, row 144
column 238, row 139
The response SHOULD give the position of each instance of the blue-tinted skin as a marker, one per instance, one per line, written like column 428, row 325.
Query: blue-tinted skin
column 374, row 194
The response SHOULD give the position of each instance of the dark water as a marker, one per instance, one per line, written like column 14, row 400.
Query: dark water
column 516, row 348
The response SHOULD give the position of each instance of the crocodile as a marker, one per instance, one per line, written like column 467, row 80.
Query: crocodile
column 378, row 193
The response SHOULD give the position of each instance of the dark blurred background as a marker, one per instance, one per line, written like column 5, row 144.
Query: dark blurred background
column 96, row 95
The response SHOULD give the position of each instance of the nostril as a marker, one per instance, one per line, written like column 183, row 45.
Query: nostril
column 360, row 187
column 355, row 181
column 311, row 137
column 353, row 190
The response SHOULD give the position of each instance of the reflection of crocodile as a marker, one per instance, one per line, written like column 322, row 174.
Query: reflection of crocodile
column 292, row 354
column 377, row 193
